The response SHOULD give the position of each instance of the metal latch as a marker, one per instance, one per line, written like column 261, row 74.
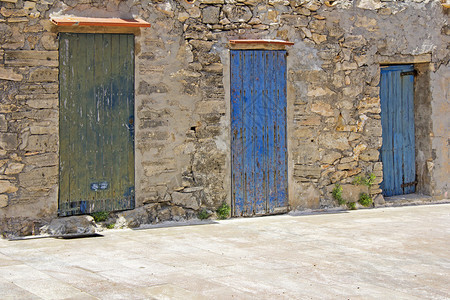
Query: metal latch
column 413, row 73
column 409, row 184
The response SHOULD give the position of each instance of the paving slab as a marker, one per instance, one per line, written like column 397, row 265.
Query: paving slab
column 385, row 253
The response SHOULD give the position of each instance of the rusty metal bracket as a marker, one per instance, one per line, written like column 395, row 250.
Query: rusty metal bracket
column 409, row 184
column 414, row 73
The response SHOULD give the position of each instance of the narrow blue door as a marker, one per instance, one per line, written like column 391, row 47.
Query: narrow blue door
column 258, row 132
column 397, row 119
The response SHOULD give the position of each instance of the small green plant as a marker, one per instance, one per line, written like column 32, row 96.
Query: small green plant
column 203, row 214
column 365, row 200
column 100, row 216
column 110, row 226
column 351, row 205
column 223, row 211
column 367, row 180
column 337, row 194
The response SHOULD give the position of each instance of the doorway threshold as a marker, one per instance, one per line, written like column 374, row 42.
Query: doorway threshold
column 413, row 199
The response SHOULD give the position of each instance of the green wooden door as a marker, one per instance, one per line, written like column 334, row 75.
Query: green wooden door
column 96, row 123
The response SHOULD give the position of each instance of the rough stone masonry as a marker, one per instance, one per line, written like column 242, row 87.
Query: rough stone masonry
column 182, row 99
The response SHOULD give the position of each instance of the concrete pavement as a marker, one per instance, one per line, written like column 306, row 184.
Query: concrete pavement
column 386, row 253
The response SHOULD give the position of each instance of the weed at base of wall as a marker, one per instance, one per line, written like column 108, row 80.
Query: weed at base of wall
column 223, row 212
column 203, row 214
column 365, row 200
column 100, row 216
column 337, row 194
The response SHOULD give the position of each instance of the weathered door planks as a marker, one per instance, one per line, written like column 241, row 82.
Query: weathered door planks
column 397, row 118
column 96, row 123
column 258, row 129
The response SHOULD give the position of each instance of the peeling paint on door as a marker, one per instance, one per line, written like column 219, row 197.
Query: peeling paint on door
column 96, row 123
column 397, row 120
column 258, row 132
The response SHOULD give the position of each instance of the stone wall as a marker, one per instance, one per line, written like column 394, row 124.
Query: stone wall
column 29, row 116
column 183, row 102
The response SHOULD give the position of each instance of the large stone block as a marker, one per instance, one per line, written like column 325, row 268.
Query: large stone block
column 206, row 107
column 42, row 160
column 379, row 200
column 8, row 141
column 309, row 120
column 319, row 38
column 369, row 155
column 3, row 201
column 159, row 167
column 211, row 14
column 178, row 213
column 3, row 124
column 43, row 128
column 9, row 74
column 69, row 225
column 378, row 166
column 212, row 1
column 214, row 68
column 7, row 187
column 42, row 143
column 358, row 149
column 322, row 108
column 306, row 196
column 151, row 136
column 236, row 13
column 295, row 20
column 338, row 176
column 307, row 171
column 207, row 132
column 347, row 166
column 203, row 46
column 311, row 76
column 313, row 5
column 373, row 127
column 351, row 192
column 319, row 92
column 354, row 41
column 14, row 168
column 352, row 91
column 31, row 58
column 37, row 114
column 330, row 157
column 49, row 41
column 185, row 199
column 369, row 105
column 49, row 101
column 149, row 123
column 307, row 154
column 146, row 89
column 334, row 140
column 304, row 133
column 44, row 75
column 134, row 218
column 41, row 178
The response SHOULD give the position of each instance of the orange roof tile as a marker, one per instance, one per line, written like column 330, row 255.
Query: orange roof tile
column 84, row 21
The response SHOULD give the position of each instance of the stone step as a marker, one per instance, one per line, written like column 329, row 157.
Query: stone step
column 412, row 199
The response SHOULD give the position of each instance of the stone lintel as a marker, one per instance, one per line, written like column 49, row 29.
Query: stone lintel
column 96, row 29
column 404, row 59
column 259, row 44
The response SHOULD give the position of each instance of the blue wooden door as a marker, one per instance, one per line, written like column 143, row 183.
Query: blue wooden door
column 397, row 119
column 258, row 132
column 96, row 123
